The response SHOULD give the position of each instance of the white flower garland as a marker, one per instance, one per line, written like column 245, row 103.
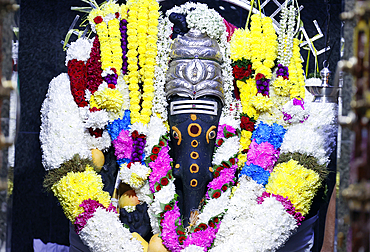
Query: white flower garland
column 228, row 149
column 248, row 226
column 214, row 207
column 163, row 56
column 62, row 131
column 107, row 227
column 79, row 50
column 285, row 35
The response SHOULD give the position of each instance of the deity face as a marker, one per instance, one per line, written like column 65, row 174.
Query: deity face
column 193, row 137
column 194, row 90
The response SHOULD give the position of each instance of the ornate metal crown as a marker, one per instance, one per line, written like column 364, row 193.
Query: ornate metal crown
column 195, row 68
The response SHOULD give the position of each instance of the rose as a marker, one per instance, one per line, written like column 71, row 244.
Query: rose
column 98, row 19
column 248, row 72
column 238, row 72
column 216, row 195
column 164, row 181
column 155, row 150
column 259, row 76
column 247, row 124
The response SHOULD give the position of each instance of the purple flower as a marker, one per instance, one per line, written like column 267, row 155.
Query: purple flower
column 263, row 155
column 123, row 145
column 171, row 219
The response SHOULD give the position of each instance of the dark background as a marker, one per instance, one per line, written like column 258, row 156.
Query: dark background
column 43, row 24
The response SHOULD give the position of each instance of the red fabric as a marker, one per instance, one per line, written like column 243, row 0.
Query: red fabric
column 230, row 28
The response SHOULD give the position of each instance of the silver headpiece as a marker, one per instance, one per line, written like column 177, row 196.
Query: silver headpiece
column 195, row 68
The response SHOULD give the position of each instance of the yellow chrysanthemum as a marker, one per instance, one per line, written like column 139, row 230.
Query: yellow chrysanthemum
column 142, row 38
column 109, row 99
column 296, row 74
column 281, row 87
column 295, row 182
column 245, row 140
column 262, row 103
column 76, row 187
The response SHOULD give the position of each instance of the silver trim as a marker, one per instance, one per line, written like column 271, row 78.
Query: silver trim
column 193, row 106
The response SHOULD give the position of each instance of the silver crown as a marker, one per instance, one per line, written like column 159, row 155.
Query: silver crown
column 195, row 68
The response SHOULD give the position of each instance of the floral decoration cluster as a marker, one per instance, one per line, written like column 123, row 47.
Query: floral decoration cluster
column 114, row 94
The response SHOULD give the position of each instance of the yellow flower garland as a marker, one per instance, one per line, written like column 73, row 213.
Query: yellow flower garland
column 263, row 57
column 142, row 40
column 296, row 74
column 76, row 187
column 296, row 182
column 109, row 36
column 240, row 45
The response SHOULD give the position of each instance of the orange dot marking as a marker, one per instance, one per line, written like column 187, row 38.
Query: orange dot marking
column 193, row 182
column 194, row 168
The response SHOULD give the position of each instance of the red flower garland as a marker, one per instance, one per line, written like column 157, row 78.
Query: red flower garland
column 93, row 65
column 77, row 76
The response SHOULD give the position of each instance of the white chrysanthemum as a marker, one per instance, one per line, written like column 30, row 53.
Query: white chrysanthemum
column 248, row 226
column 79, row 50
column 297, row 113
column 313, row 82
column 143, row 193
column 62, row 131
column 95, row 120
column 140, row 128
column 107, row 71
column 164, row 196
column 235, row 123
column 228, row 149
column 104, row 232
column 156, row 130
column 193, row 248
column 102, row 143
column 316, row 136
column 214, row 207
column 135, row 176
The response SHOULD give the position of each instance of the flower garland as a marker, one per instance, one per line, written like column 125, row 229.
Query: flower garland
column 93, row 65
column 142, row 38
column 106, row 22
column 285, row 35
column 296, row 73
column 163, row 45
column 164, row 205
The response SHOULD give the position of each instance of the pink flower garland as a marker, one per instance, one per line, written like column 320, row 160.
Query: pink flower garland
column 263, row 154
column 203, row 238
column 123, row 145
column 160, row 167
column 227, row 175
column 220, row 130
column 169, row 235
